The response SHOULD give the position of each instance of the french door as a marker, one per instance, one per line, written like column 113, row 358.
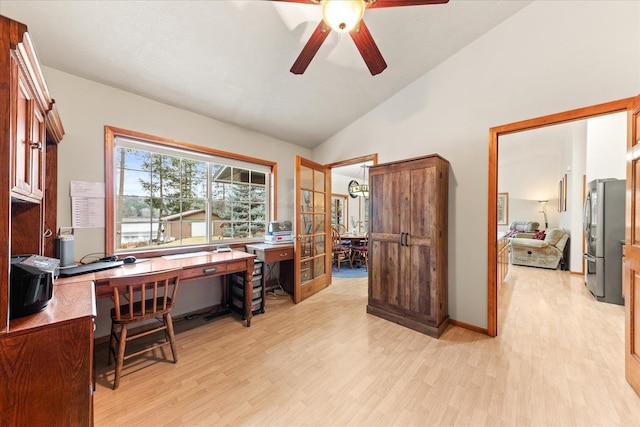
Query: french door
column 313, row 222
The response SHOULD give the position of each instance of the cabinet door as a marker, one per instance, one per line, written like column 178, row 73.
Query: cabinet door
column 21, row 176
column 388, row 222
column 29, row 142
column 37, row 149
column 48, row 378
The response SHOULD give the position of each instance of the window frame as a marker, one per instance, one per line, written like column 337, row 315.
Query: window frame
column 111, row 133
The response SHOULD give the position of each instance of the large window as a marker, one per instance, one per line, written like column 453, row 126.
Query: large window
column 170, row 195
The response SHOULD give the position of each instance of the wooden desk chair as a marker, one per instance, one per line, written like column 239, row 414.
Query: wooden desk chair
column 360, row 251
column 341, row 253
column 153, row 289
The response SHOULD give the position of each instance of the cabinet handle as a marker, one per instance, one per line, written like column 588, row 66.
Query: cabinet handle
column 36, row 145
column 401, row 239
column 210, row 270
column 406, row 239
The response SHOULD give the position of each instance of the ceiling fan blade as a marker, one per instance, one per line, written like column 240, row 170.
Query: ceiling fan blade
column 396, row 3
column 368, row 49
column 311, row 48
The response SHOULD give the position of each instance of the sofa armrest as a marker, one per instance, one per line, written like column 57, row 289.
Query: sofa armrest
column 530, row 243
column 525, row 235
column 562, row 242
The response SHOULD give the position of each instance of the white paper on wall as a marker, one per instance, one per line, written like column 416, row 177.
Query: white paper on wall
column 87, row 204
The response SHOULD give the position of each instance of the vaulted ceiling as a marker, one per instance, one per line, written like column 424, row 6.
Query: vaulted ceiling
column 230, row 59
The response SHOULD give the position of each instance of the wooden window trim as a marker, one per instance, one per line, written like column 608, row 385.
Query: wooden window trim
column 110, row 134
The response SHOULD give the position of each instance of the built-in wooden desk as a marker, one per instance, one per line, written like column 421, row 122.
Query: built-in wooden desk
column 46, row 359
column 279, row 253
column 210, row 264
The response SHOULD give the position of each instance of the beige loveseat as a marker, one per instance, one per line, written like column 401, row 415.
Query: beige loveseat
column 547, row 253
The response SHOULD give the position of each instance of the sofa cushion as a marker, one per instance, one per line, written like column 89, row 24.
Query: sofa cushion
column 527, row 226
column 530, row 243
column 554, row 235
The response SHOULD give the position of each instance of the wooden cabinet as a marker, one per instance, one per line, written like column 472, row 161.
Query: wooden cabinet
column 408, row 243
column 46, row 359
column 46, row 362
column 29, row 127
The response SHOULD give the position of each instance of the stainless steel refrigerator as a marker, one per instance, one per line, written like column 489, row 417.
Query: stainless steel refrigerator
column 604, row 211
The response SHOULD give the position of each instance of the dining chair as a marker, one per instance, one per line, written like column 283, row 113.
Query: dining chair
column 158, row 292
column 341, row 253
column 360, row 251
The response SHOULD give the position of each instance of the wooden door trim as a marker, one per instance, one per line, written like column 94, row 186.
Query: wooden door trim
column 631, row 265
column 354, row 161
column 492, row 225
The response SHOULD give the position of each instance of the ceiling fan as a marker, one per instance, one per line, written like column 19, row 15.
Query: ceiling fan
column 346, row 16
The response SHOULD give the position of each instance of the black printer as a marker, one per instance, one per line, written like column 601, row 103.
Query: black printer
column 31, row 284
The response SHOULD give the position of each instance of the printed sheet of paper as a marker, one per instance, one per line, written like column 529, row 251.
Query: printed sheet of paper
column 87, row 204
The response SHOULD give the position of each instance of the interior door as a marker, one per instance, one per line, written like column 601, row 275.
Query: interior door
column 313, row 222
column 631, row 281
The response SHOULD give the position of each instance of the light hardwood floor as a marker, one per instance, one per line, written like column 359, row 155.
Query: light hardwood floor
column 558, row 361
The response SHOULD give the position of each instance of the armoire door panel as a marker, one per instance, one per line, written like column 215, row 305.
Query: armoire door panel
column 423, row 203
column 385, row 269
column 388, row 203
column 421, row 280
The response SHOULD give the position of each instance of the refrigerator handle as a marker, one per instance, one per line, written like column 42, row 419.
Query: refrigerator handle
column 586, row 220
column 589, row 257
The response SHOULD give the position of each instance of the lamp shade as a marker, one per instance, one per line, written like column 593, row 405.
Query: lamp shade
column 342, row 15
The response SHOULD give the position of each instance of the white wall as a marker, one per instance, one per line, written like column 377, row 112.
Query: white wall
column 607, row 147
column 86, row 107
column 527, row 181
column 572, row 219
column 550, row 57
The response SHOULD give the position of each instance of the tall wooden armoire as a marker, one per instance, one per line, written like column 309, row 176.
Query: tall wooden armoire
column 408, row 243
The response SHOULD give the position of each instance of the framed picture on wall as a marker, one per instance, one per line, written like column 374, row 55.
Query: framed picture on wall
column 503, row 209
column 560, row 195
column 564, row 193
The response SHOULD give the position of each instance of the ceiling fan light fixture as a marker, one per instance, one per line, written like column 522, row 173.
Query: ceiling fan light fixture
column 342, row 15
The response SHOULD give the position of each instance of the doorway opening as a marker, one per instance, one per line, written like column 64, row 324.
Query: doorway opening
column 352, row 220
column 492, row 226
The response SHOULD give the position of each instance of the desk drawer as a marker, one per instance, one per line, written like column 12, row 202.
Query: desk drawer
column 278, row 255
column 204, row 271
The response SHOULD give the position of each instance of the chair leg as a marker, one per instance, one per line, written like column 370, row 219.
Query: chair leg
column 112, row 342
column 172, row 339
column 122, row 343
